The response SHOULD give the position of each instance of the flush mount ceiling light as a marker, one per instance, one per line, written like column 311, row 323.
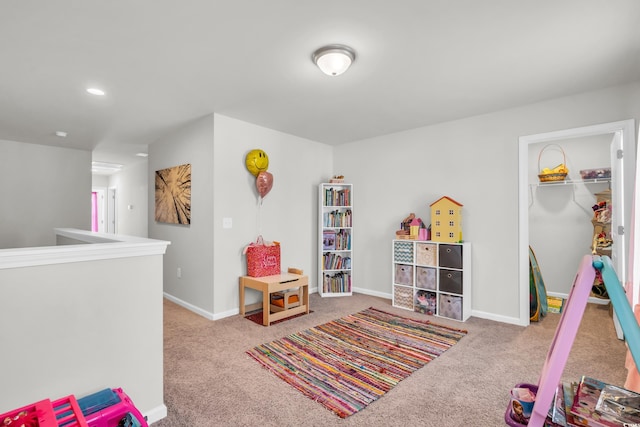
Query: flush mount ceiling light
column 334, row 59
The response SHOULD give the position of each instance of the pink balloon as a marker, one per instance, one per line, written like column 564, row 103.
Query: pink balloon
column 264, row 182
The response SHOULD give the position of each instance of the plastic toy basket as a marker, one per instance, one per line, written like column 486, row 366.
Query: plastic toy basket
column 62, row 412
column 509, row 417
column 552, row 177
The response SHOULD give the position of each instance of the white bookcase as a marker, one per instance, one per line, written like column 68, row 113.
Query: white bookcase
column 432, row 277
column 335, row 244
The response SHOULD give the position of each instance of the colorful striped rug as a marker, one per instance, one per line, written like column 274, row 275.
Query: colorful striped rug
column 348, row 363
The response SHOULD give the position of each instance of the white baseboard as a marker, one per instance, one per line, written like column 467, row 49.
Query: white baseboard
column 189, row 306
column 591, row 300
column 372, row 293
column 474, row 313
column 216, row 316
column 497, row 318
column 156, row 414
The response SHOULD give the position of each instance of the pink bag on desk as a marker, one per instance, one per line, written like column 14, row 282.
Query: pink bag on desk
column 263, row 258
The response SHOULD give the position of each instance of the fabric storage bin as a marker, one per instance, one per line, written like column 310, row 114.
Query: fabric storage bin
column 403, row 252
column 426, row 254
column 450, row 281
column 425, row 302
column 450, row 307
column 450, row 256
column 403, row 297
column 426, row 278
column 404, row 274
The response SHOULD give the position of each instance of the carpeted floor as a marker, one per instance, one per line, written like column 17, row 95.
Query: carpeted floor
column 210, row 381
column 256, row 317
column 350, row 362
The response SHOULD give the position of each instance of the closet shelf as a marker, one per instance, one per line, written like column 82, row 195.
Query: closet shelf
column 572, row 182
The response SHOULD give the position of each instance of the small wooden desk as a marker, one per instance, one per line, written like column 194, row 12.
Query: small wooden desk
column 270, row 284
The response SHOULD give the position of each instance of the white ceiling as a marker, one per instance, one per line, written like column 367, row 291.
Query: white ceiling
column 164, row 63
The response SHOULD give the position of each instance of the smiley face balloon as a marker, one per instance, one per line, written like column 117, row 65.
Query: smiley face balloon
column 257, row 161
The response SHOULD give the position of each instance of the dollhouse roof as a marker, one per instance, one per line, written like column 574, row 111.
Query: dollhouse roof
column 448, row 198
column 416, row 221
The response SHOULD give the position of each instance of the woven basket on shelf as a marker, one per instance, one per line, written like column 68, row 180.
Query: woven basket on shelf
column 551, row 177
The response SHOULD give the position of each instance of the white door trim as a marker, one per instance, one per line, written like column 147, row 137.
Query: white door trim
column 626, row 128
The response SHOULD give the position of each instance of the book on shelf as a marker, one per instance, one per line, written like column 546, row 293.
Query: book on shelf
column 332, row 261
column 328, row 240
column 343, row 240
column 338, row 282
column 337, row 218
column 335, row 197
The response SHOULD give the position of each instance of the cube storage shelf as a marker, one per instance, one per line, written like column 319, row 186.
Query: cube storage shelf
column 335, row 222
column 432, row 277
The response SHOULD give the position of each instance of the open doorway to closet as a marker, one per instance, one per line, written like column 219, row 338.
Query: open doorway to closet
column 561, row 230
column 556, row 219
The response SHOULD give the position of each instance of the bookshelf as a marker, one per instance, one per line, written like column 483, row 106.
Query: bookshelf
column 335, row 244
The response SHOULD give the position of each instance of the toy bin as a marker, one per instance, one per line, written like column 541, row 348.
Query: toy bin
column 63, row 412
column 516, row 420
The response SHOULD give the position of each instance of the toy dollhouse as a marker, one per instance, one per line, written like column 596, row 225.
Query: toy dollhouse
column 414, row 228
column 446, row 220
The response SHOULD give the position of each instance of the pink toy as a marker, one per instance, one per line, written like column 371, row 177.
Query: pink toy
column 62, row 412
column 111, row 408
column 567, row 329
column 560, row 347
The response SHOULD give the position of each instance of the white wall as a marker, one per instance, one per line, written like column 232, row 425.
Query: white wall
column 43, row 188
column 474, row 161
column 191, row 247
column 288, row 213
column 210, row 256
column 99, row 181
column 80, row 327
column 132, row 187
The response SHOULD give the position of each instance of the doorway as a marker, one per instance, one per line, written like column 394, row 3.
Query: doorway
column 112, row 221
column 98, row 210
column 622, row 154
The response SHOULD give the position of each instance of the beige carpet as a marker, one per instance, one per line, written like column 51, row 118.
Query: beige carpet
column 210, row 381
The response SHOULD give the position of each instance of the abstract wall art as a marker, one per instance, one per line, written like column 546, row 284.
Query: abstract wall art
column 173, row 195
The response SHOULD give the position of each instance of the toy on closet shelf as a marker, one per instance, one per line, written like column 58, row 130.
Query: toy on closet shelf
column 557, row 173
